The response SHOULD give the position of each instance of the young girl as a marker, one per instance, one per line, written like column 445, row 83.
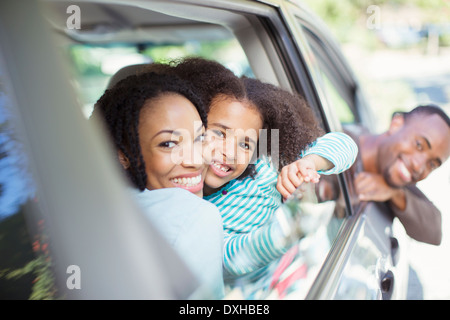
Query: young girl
column 253, row 237
column 152, row 120
column 245, row 192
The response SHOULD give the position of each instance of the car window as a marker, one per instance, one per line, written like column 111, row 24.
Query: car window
column 314, row 221
column 341, row 96
column 92, row 65
column 342, row 108
column 339, row 92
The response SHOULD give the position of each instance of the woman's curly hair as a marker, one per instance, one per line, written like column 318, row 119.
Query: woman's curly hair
column 119, row 108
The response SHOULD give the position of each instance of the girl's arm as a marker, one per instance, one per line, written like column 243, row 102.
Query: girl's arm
column 247, row 210
column 330, row 154
column 253, row 239
column 249, row 252
column 336, row 147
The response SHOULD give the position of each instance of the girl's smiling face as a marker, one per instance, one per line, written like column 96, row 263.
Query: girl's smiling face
column 171, row 139
column 233, row 129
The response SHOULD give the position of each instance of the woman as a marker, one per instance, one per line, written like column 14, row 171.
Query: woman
column 157, row 125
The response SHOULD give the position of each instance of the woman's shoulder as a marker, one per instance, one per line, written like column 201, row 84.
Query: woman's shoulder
column 173, row 210
column 175, row 201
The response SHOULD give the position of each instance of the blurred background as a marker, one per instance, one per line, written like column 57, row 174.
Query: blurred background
column 400, row 51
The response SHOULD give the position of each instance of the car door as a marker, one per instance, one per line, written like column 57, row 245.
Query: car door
column 358, row 245
column 364, row 261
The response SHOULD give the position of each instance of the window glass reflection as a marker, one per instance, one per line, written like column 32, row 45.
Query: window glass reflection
column 316, row 213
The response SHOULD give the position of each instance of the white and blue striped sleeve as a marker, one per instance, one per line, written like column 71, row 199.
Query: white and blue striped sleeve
column 251, row 241
column 248, row 252
column 337, row 147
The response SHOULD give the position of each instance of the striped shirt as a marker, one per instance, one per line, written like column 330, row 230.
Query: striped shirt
column 249, row 205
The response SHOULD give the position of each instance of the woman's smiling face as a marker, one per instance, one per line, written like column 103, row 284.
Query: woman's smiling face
column 171, row 138
column 233, row 129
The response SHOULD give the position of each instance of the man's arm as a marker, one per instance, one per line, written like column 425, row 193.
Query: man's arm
column 419, row 216
column 421, row 219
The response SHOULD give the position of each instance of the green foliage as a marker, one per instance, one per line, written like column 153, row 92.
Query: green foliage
column 339, row 15
column 345, row 17
column 88, row 61
column 25, row 268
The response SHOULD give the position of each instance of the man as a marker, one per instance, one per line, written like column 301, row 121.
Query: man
column 389, row 166
column 416, row 143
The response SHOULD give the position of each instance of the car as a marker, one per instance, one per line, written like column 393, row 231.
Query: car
column 70, row 229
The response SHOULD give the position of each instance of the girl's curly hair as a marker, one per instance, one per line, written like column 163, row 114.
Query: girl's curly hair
column 119, row 108
column 209, row 78
column 286, row 112
column 279, row 109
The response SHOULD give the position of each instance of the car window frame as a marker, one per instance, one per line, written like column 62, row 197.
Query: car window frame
column 327, row 279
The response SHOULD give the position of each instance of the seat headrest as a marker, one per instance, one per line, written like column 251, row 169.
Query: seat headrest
column 125, row 72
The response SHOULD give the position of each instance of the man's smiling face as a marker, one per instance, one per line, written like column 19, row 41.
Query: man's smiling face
column 413, row 149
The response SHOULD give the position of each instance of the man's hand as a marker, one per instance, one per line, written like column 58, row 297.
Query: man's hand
column 373, row 187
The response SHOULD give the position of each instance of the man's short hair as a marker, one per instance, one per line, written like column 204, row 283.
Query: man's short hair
column 427, row 109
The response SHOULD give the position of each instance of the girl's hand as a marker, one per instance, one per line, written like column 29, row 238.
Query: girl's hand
column 294, row 174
